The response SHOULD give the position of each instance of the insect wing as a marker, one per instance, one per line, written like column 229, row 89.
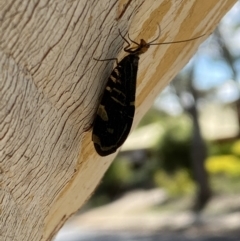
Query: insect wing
column 116, row 110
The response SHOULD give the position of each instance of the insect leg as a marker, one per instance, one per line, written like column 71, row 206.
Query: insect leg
column 128, row 44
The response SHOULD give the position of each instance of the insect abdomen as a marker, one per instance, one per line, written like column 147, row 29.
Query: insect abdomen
column 116, row 110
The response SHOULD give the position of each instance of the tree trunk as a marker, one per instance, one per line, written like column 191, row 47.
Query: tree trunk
column 50, row 87
column 198, row 156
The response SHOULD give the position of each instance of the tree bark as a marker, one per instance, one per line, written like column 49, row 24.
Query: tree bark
column 50, row 87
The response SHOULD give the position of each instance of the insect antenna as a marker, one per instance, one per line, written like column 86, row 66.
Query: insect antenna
column 132, row 40
column 152, row 42
column 159, row 33
column 124, row 38
column 175, row 42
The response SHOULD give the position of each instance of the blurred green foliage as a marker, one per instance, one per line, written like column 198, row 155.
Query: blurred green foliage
column 173, row 152
column 176, row 184
column 236, row 148
column 222, row 148
column 225, row 164
column 168, row 164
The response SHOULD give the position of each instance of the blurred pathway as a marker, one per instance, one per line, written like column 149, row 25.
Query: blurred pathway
column 131, row 218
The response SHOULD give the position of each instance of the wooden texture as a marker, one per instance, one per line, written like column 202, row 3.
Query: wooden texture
column 50, row 88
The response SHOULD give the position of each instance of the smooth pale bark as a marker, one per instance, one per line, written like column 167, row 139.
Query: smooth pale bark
column 50, row 87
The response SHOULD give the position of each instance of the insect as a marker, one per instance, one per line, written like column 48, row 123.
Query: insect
column 115, row 113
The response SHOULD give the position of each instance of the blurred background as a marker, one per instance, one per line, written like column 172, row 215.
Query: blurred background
column 177, row 177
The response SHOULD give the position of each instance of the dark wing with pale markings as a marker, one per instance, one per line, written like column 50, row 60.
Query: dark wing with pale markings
column 116, row 110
